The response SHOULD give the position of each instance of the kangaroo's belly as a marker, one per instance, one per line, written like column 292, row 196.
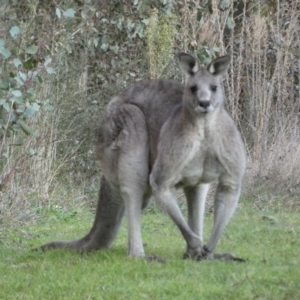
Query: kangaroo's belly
column 204, row 168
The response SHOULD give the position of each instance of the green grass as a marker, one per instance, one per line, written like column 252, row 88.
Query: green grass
column 268, row 239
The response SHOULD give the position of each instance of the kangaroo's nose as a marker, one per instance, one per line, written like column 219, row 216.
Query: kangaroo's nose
column 204, row 104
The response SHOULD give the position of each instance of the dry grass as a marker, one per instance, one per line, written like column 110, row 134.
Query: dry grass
column 263, row 85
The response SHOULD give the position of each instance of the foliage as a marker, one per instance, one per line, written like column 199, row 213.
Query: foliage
column 19, row 78
column 160, row 38
column 97, row 48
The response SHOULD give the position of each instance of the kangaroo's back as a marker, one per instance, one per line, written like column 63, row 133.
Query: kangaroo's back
column 157, row 99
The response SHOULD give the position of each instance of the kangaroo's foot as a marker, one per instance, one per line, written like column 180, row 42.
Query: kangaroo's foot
column 209, row 255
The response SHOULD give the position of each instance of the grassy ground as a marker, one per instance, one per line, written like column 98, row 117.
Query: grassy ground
column 268, row 239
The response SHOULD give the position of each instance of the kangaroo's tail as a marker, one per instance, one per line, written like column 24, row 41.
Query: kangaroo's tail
column 109, row 215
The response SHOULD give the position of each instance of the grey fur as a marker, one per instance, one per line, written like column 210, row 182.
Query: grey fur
column 159, row 135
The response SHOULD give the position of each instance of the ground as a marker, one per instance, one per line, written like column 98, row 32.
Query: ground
column 267, row 237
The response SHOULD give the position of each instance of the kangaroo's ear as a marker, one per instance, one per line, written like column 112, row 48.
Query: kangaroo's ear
column 219, row 66
column 188, row 64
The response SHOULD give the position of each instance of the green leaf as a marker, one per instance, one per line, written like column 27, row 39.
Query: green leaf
column 40, row 79
column 5, row 52
column 50, row 70
column 31, row 96
column 16, row 127
column 14, row 31
column 69, row 13
column 48, row 60
column 36, row 133
column 224, row 4
column 32, row 49
column 19, row 80
column 230, row 23
column 17, row 93
column 58, row 12
column 19, row 100
column 29, row 111
column 25, row 127
column 35, row 106
column 3, row 85
column 49, row 106
column 104, row 46
column 23, row 76
column 17, row 62
column 2, row 42
column 31, row 151
column 30, row 64
column 6, row 106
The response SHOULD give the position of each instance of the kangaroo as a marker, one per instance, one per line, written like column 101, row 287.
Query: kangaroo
column 159, row 135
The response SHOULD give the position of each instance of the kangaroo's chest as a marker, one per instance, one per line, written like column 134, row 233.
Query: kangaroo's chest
column 203, row 167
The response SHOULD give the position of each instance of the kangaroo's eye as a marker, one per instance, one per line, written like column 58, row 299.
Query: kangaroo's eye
column 213, row 88
column 193, row 89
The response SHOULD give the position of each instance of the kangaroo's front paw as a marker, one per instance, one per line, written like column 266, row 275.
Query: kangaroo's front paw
column 228, row 257
column 209, row 255
column 205, row 254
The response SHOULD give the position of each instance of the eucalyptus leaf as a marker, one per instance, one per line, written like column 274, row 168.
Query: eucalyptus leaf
column 25, row 127
column 104, row 46
column 5, row 52
column 69, row 13
column 19, row 100
column 49, row 106
column 19, row 80
column 30, row 64
column 14, row 31
column 17, row 93
column 32, row 49
column 17, row 62
column 16, row 127
column 23, row 76
column 36, row 133
column 50, row 70
column 31, row 151
column 6, row 106
column 35, row 106
column 29, row 112
column 47, row 60
column 2, row 42
column 230, row 23
column 58, row 12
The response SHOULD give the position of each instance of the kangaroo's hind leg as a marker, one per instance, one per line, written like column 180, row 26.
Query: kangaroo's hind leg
column 133, row 171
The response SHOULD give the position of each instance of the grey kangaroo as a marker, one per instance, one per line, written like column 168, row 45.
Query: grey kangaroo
column 159, row 135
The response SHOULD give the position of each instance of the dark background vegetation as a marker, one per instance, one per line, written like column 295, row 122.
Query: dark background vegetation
column 62, row 61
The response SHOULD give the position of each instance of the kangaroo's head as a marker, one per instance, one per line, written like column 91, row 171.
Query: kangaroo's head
column 203, row 92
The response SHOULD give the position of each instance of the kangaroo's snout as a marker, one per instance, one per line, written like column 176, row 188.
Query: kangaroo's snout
column 204, row 104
